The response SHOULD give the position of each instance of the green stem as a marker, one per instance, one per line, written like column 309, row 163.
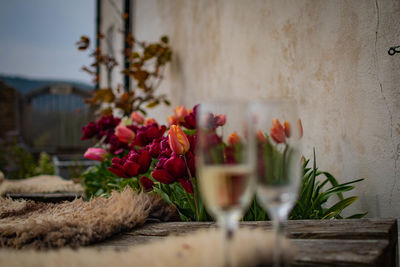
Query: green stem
column 283, row 163
column 194, row 188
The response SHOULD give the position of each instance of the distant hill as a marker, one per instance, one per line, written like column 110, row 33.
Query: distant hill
column 25, row 85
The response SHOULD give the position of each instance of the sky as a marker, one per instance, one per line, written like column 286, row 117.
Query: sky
column 37, row 38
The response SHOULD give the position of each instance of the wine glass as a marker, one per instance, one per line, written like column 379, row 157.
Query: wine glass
column 225, row 163
column 278, row 160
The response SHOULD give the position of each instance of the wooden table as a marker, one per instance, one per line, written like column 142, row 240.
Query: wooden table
column 361, row 242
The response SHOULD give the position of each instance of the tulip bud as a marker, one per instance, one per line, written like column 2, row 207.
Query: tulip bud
column 177, row 140
column 220, row 119
column 277, row 132
column 180, row 112
column 233, row 139
column 172, row 120
column 149, row 121
column 98, row 154
column 124, row 134
column 300, row 127
column 137, row 117
column 286, row 128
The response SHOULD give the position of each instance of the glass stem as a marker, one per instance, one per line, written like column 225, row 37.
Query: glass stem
column 229, row 226
column 279, row 226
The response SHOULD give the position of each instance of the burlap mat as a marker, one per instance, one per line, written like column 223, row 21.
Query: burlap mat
column 43, row 225
column 39, row 184
column 250, row 247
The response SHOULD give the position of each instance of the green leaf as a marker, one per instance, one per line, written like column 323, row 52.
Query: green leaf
column 338, row 207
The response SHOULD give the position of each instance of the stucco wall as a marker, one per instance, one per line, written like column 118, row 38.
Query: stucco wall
column 330, row 55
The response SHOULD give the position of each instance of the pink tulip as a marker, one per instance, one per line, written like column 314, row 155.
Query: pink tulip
column 150, row 121
column 98, row 154
column 177, row 140
column 180, row 112
column 220, row 119
column 137, row 117
column 124, row 134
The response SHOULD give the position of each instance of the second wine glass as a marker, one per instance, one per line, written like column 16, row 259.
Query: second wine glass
column 278, row 160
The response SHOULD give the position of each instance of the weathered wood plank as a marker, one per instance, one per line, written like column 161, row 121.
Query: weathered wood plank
column 334, row 252
column 364, row 242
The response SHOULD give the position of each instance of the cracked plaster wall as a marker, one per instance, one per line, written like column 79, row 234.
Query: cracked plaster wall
column 330, row 55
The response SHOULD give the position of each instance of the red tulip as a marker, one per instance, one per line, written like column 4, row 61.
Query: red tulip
column 178, row 140
column 98, row 154
column 190, row 119
column 89, row 130
column 186, row 184
column 137, row 117
column 133, row 164
column 163, row 176
column 277, row 132
column 146, row 183
column 146, row 134
column 174, row 169
column 124, row 134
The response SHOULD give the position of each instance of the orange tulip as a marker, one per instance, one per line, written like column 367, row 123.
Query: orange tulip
column 124, row 134
column 233, row 139
column 172, row 120
column 277, row 132
column 137, row 117
column 286, row 128
column 261, row 137
column 177, row 140
column 180, row 112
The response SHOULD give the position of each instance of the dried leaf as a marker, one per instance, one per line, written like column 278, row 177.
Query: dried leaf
column 153, row 104
column 164, row 39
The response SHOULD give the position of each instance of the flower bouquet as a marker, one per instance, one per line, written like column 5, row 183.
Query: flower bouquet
column 159, row 159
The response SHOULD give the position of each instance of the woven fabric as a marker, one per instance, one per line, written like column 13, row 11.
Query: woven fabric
column 43, row 225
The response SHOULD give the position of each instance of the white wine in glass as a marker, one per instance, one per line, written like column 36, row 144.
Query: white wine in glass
column 278, row 160
column 225, row 163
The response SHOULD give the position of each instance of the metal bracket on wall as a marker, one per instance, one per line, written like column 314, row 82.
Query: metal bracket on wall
column 393, row 50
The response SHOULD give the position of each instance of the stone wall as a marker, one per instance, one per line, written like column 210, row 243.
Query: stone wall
column 330, row 55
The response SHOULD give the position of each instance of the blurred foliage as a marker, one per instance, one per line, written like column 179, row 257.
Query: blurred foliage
column 17, row 162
